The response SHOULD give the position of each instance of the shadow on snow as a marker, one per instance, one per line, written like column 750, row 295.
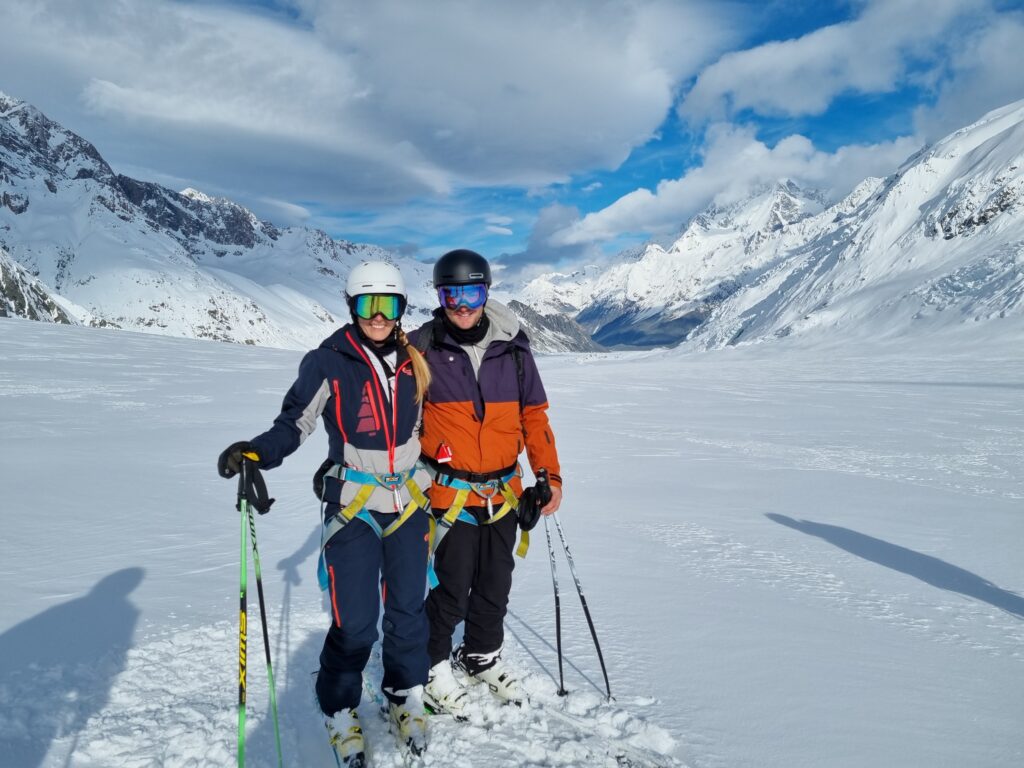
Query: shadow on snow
column 57, row 668
column 930, row 570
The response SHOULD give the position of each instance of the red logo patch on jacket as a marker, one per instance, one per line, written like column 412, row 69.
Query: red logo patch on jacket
column 369, row 419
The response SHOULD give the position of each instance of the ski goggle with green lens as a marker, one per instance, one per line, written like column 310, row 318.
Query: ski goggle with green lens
column 472, row 296
column 369, row 305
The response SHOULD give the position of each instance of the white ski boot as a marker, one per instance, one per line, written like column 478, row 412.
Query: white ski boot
column 408, row 722
column 443, row 694
column 498, row 677
column 346, row 737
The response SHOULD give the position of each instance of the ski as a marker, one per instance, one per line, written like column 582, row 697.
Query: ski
column 359, row 760
column 624, row 754
column 606, row 751
column 409, row 758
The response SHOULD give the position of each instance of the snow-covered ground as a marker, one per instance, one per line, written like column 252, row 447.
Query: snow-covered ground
column 796, row 554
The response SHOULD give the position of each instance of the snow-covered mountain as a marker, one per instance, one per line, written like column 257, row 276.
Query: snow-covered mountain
column 561, row 292
column 21, row 295
column 553, row 332
column 114, row 251
column 939, row 241
column 660, row 296
column 131, row 254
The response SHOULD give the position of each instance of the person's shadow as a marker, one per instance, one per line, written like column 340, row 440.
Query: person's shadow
column 59, row 666
column 928, row 569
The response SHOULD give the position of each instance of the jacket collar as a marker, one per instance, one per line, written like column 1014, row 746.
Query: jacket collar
column 340, row 342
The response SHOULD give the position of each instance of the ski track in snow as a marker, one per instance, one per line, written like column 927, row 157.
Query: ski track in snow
column 166, row 708
column 712, row 555
column 982, row 466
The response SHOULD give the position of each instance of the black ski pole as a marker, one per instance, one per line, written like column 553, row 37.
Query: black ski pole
column 583, row 601
column 558, row 609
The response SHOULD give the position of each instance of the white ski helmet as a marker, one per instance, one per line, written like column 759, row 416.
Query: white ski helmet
column 375, row 277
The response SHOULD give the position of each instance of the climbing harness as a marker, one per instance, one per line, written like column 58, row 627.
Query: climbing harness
column 356, row 509
column 486, row 485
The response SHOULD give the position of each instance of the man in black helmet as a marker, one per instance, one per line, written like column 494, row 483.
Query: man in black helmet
column 485, row 405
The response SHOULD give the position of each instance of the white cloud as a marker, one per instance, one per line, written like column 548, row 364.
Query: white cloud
column 496, row 230
column 283, row 212
column 542, row 248
column 983, row 74
column 734, row 161
column 889, row 45
column 877, row 52
column 363, row 100
column 595, row 79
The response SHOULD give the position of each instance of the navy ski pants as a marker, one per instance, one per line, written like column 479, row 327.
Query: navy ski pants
column 363, row 569
column 474, row 567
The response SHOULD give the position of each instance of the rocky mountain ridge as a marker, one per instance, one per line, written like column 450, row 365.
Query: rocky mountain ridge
column 86, row 245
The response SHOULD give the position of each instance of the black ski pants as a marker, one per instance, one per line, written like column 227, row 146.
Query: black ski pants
column 364, row 569
column 474, row 567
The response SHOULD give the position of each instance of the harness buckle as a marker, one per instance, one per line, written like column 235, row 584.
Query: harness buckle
column 488, row 490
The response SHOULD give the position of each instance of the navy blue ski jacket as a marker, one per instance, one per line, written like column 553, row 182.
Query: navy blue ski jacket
column 345, row 383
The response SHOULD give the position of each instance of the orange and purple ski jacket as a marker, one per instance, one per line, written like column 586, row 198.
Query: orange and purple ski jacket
column 478, row 414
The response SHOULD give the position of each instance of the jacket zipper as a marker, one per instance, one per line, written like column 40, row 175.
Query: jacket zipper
column 337, row 409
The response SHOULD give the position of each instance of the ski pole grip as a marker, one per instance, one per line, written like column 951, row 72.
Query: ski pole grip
column 243, row 484
column 543, row 487
column 252, row 488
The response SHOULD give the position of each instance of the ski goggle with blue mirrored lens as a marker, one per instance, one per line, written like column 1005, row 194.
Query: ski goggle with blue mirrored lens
column 472, row 296
column 369, row 305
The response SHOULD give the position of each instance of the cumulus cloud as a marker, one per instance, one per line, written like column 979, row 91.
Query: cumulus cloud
column 734, row 161
column 363, row 101
column 889, row 46
column 882, row 49
column 983, row 74
column 543, row 251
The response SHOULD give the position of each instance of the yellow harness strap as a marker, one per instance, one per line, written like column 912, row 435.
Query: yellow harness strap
column 419, row 501
column 511, row 503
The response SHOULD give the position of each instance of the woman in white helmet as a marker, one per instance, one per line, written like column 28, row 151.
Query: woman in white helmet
column 367, row 383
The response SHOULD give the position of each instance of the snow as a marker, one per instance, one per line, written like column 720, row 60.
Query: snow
column 114, row 251
column 800, row 553
column 778, row 262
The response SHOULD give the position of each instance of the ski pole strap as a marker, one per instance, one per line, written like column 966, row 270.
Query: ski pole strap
column 252, row 487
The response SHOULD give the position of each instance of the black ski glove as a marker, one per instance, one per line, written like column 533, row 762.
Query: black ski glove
column 230, row 462
column 529, row 509
column 532, row 500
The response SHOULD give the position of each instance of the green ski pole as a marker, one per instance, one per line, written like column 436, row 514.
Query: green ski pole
column 251, row 480
column 243, row 506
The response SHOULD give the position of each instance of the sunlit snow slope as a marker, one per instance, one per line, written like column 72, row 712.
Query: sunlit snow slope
column 795, row 556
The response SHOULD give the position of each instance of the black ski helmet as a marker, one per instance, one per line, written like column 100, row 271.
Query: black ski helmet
column 461, row 267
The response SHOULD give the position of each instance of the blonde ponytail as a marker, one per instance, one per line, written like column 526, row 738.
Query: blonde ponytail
column 420, row 368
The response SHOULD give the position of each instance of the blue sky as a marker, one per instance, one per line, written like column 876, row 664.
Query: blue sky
column 547, row 132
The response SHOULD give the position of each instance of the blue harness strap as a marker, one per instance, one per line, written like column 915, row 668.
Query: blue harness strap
column 488, row 489
column 356, row 509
